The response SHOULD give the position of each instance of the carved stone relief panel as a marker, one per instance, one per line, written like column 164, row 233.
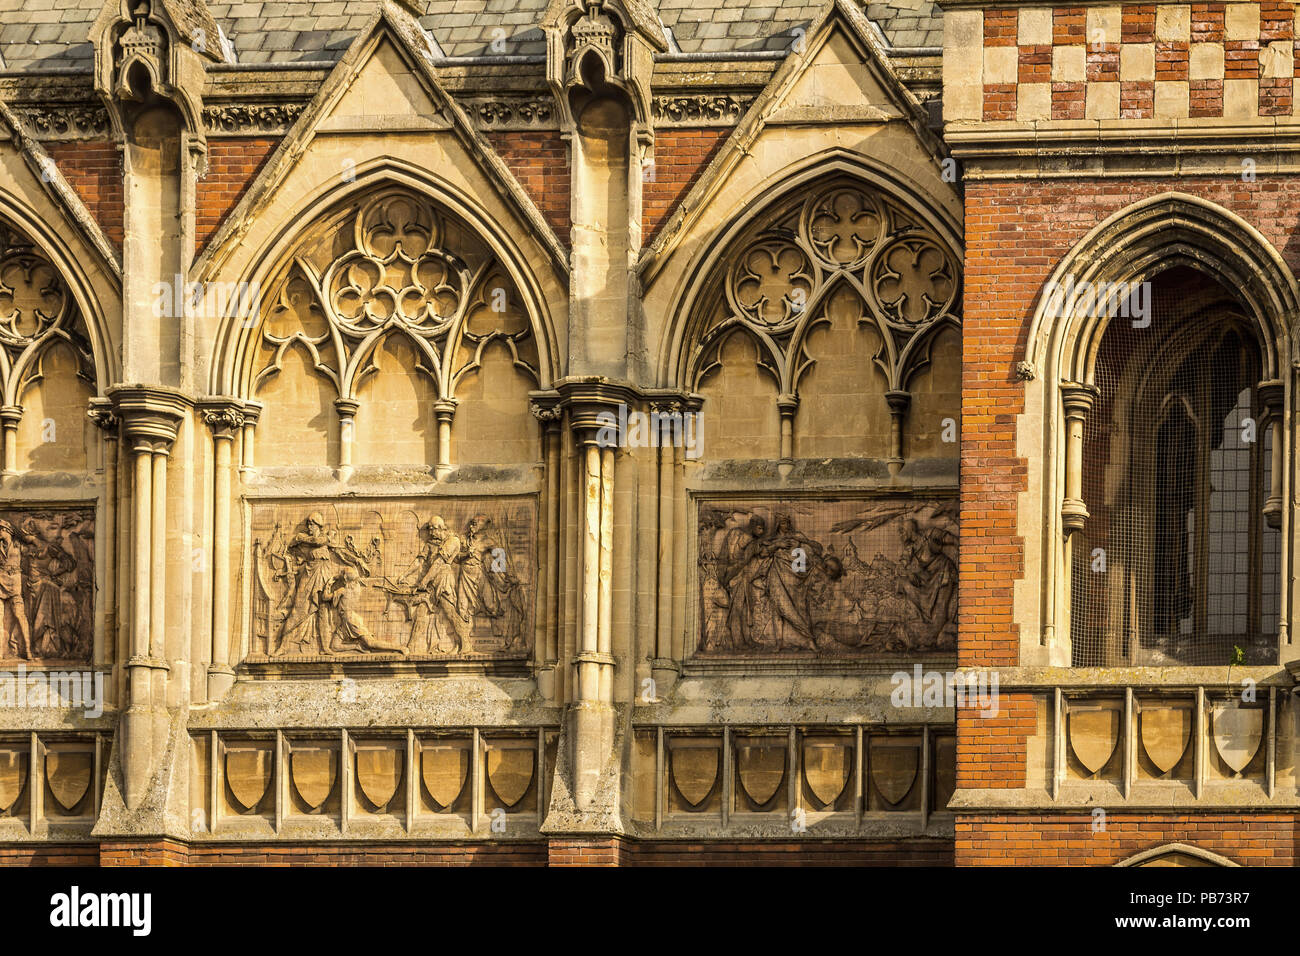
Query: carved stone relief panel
column 826, row 578
column 442, row 579
column 47, row 584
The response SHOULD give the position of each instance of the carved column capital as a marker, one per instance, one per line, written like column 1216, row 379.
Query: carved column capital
column 1078, row 400
column 899, row 401
column 545, row 407
column 150, row 413
column 224, row 416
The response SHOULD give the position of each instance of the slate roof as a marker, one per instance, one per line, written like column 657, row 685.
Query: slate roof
column 52, row 34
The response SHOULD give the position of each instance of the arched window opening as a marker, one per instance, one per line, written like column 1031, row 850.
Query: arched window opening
column 1177, row 563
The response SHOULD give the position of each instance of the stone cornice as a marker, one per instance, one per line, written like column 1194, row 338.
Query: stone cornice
column 1123, row 148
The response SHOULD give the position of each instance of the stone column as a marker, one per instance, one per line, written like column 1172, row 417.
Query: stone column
column 547, row 650
column 592, row 406
column 1077, row 401
column 899, row 401
column 10, row 416
column 247, row 456
column 224, row 419
column 347, row 411
column 444, row 410
column 101, row 413
column 151, row 418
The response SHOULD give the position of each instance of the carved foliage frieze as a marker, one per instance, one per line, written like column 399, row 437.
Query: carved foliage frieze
column 809, row 578
column 244, row 118
column 512, row 112
column 47, row 584
column 422, row 579
column 66, row 121
column 700, row 109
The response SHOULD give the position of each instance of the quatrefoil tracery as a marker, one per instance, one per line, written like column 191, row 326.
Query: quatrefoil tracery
column 397, row 277
column 779, row 284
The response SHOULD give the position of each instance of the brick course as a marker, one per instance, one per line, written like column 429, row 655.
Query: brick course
column 94, row 171
column 232, row 165
column 681, row 156
column 540, row 161
column 1069, row 839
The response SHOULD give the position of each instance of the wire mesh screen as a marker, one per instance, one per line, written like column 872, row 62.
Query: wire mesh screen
column 1176, row 563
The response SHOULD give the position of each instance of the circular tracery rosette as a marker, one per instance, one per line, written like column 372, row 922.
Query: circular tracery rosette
column 771, row 284
column 914, row 282
column 32, row 298
column 843, row 226
column 396, row 274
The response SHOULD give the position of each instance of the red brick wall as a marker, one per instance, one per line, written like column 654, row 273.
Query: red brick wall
column 992, row 751
column 50, row 854
column 608, row 851
column 561, row 851
column 94, row 170
column 232, row 165
column 919, row 852
column 1069, row 840
column 1016, row 234
column 681, row 156
column 143, row 853
column 540, row 161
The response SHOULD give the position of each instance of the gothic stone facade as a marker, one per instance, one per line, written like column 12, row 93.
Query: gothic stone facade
column 437, row 434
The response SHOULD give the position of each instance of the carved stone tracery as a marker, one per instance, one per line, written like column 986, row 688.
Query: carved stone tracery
column 410, row 268
column 778, row 284
column 36, row 312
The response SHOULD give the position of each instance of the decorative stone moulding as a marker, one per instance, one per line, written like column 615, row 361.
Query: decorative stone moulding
column 66, row 121
column 511, row 112
column 700, row 109
column 245, row 119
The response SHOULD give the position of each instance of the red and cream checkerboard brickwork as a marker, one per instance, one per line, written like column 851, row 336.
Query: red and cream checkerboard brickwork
column 1132, row 62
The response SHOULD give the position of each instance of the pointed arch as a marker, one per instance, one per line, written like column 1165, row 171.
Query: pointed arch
column 231, row 374
column 1136, row 245
column 687, row 323
column 1146, row 238
column 1153, row 856
column 51, row 245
